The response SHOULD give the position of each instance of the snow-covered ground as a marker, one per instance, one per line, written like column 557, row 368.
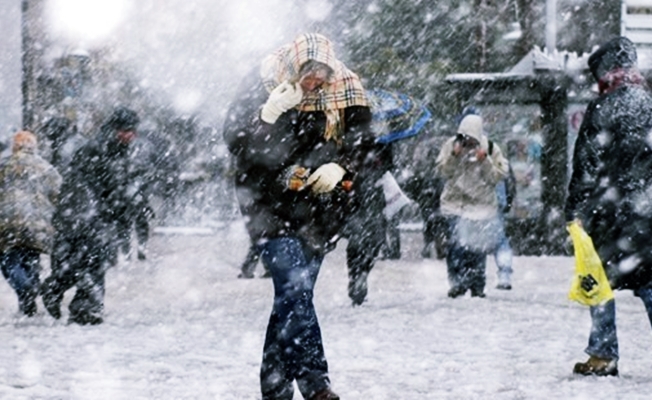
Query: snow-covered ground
column 181, row 326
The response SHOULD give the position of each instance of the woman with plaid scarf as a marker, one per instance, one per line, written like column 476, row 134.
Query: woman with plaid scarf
column 299, row 130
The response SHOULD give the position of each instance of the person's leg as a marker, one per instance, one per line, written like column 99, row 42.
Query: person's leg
column 366, row 235
column 20, row 268
column 67, row 257
column 475, row 271
column 441, row 232
column 293, row 345
column 124, row 236
column 429, row 229
column 142, row 230
column 603, row 342
column 455, row 260
column 503, row 258
column 87, row 307
column 392, row 244
column 249, row 265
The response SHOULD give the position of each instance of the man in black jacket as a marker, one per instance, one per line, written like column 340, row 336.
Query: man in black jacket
column 96, row 196
column 610, row 190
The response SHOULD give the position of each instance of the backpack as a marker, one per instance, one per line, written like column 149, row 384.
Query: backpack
column 506, row 199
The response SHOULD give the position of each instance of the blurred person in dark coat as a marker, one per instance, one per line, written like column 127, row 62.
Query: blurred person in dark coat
column 29, row 188
column 153, row 171
column 610, row 192
column 96, row 196
column 425, row 186
column 299, row 129
column 64, row 139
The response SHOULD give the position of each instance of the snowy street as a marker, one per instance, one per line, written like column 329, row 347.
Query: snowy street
column 181, row 326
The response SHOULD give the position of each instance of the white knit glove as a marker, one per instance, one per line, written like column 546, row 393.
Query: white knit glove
column 284, row 97
column 325, row 178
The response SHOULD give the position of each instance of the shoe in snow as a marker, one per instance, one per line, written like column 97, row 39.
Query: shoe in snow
column 51, row 301
column 597, row 366
column 326, row 394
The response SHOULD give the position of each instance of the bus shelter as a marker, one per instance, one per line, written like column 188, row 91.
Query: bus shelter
column 533, row 112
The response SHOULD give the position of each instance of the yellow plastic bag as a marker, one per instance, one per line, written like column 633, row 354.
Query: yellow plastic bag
column 590, row 284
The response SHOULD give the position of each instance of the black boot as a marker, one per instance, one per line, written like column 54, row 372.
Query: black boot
column 51, row 300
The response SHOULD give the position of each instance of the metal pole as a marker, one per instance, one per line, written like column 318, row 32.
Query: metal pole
column 33, row 43
column 551, row 25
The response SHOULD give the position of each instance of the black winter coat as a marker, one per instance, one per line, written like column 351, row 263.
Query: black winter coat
column 96, row 193
column 611, row 185
column 263, row 153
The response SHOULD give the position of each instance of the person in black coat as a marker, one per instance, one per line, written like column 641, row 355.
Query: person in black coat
column 610, row 190
column 96, row 196
column 299, row 130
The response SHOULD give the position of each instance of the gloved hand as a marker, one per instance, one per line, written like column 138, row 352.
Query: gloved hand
column 284, row 97
column 325, row 178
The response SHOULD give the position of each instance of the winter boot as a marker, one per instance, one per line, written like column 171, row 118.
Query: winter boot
column 51, row 300
column 597, row 366
column 326, row 394
column 426, row 252
column 245, row 275
column 504, row 281
column 142, row 253
column 358, row 288
column 456, row 291
column 85, row 319
column 27, row 306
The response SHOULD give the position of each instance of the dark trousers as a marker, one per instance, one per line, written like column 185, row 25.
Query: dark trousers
column 466, row 268
column 81, row 262
column 366, row 235
column 293, row 346
column 20, row 267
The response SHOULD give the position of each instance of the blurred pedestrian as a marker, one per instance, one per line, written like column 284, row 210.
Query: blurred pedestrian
column 96, row 196
column 503, row 254
column 505, row 194
column 153, row 170
column 29, row 189
column 469, row 201
column 64, row 139
column 610, row 190
column 299, row 129
column 425, row 187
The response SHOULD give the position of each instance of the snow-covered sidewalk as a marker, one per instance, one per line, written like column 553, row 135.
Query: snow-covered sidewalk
column 181, row 326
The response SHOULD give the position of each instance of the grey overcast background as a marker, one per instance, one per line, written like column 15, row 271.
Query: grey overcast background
column 194, row 52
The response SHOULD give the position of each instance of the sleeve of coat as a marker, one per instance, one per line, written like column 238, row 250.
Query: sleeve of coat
column 585, row 162
column 446, row 162
column 495, row 166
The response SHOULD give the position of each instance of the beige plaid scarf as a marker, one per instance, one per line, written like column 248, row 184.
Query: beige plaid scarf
column 342, row 90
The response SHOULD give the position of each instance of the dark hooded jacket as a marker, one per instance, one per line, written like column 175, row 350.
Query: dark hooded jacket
column 263, row 153
column 97, row 190
column 611, row 185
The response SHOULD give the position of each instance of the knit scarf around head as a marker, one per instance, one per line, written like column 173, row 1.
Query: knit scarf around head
column 613, row 79
column 342, row 90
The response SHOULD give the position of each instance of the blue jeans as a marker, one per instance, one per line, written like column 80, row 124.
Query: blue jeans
column 603, row 340
column 20, row 267
column 503, row 256
column 293, row 346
